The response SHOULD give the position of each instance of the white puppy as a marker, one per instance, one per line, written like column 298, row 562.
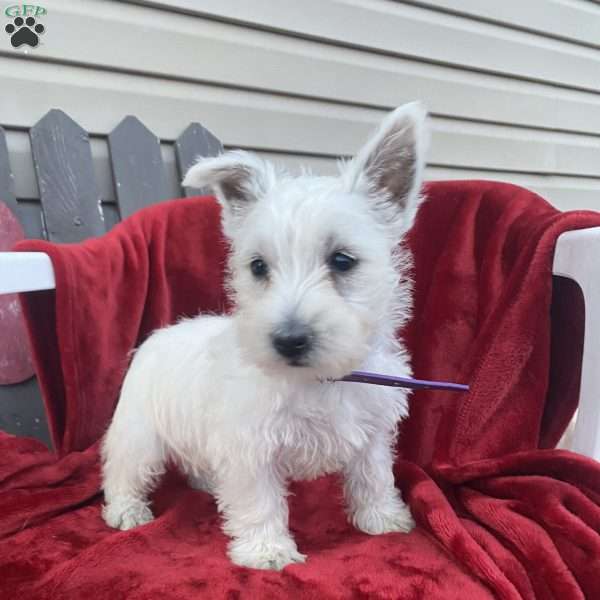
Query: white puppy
column 243, row 403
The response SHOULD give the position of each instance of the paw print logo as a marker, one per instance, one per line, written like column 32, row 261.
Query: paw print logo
column 24, row 31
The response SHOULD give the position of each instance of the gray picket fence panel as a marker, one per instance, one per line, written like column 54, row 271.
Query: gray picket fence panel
column 194, row 142
column 137, row 166
column 72, row 211
column 65, row 172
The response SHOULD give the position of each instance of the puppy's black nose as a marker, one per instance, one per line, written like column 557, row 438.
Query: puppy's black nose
column 291, row 346
column 293, row 342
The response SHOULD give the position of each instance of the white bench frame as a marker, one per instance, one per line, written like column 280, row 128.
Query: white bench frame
column 577, row 257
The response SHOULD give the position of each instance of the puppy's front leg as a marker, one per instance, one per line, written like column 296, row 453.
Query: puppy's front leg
column 256, row 517
column 374, row 504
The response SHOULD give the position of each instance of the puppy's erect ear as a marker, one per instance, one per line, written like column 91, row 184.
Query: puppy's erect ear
column 389, row 168
column 237, row 178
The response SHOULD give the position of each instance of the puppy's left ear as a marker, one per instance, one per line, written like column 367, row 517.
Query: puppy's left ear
column 389, row 168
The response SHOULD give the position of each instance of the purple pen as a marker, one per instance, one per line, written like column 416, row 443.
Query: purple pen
column 404, row 382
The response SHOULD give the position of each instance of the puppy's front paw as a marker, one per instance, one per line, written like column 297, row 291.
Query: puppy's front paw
column 265, row 554
column 126, row 515
column 376, row 520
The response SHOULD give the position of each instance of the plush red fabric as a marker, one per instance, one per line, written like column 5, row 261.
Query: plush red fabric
column 497, row 516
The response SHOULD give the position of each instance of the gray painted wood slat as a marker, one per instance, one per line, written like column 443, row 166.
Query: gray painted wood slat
column 137, row 165
column 22, row 411
column 194, row 142
column 30, row 216
column 7, row 188
column 68, row 192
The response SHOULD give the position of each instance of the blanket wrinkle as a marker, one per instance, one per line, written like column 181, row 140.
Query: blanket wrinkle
column 500, row 514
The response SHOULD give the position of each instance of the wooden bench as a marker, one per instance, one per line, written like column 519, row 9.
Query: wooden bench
column 72, row 210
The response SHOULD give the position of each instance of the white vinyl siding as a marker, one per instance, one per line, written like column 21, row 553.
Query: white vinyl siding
column 513, row 87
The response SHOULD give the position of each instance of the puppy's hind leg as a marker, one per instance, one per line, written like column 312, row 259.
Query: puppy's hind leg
column 133, row 461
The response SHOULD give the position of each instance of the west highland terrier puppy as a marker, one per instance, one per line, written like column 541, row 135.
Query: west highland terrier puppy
column 246, row 402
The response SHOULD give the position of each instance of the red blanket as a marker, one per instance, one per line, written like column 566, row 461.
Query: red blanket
column 497, row 516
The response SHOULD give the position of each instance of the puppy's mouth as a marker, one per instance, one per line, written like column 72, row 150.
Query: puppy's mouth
column 298, row 362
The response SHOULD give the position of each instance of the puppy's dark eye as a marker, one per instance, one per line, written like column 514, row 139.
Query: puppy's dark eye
column 259, row 268
column 341, row 262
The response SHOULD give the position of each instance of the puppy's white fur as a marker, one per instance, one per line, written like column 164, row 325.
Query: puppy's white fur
column 213, row 394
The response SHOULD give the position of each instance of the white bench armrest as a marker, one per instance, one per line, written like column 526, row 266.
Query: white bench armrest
column 25, row 272
column 577, row 256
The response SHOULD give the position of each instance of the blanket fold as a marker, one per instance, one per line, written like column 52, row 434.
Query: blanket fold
column 498, row 515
